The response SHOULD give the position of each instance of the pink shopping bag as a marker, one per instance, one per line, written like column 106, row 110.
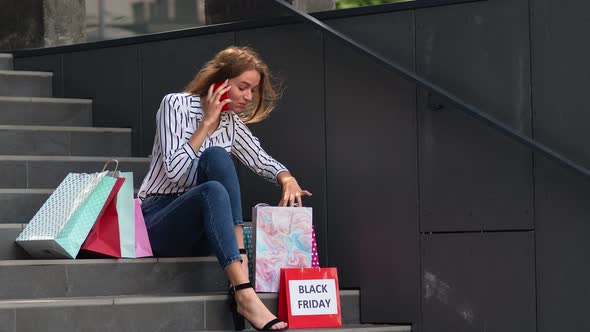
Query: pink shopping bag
column 315, row 261
column 142, row 240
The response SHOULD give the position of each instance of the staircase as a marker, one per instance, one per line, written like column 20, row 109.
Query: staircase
column 41, row 140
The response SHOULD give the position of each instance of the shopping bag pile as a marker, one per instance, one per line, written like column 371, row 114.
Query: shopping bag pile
column 281, row 238
column 91, row 212
column 315, row 262
column 282, row 247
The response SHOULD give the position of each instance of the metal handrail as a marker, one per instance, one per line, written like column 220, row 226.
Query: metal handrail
column 445, row 95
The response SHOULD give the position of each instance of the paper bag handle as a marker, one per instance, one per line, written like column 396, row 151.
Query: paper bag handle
column 114, row 173
column 108, row 162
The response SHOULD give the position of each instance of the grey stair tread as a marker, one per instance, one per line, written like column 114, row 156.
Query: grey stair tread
column 31, row 191
column 45, row 111
column 71, row 141
column 73, row 158
column 138, row 299
column 26, row 83
column 65, row 128
column 189, row 312
column 8, row 248
column 358, row 328
column 91, row 261
column 26, row 73
column 10, row 226
column 6, row 62
column 86, row 278
column 47, row 100
column 20, row 205
column 46, row 172
column 25, row 191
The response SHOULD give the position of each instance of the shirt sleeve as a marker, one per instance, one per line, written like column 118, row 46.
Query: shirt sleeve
column 247, row 149
column 177, row 153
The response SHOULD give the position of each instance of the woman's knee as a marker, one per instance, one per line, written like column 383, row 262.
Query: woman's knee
column 210, row 191
column 216, row 153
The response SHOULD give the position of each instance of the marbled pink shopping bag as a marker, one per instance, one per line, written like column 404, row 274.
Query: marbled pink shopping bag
column 282, row 239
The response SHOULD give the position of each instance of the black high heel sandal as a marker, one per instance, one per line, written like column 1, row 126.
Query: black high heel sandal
column 239, row 319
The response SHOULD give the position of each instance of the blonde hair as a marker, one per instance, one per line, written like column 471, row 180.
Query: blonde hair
column 232, row 62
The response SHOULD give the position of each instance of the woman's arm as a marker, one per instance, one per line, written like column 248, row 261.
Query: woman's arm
column 248, row 150
column 177, row 154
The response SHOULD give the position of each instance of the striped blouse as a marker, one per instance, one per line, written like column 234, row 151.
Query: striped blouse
column 173, row 167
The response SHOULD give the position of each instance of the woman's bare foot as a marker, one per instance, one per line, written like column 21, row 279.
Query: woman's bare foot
column 251, row 307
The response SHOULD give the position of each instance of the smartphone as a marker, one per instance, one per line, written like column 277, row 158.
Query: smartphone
column 223, row 96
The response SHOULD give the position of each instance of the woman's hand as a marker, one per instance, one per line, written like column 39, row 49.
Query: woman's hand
column 212, row 106
column 291, row 190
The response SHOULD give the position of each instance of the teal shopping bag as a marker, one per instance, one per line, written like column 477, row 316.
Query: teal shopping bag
column 61, row 225
column 76, row 230
column 126, row 216
column 248, row 246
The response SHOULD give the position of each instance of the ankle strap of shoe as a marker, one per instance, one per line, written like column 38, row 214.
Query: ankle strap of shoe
column 241, row 286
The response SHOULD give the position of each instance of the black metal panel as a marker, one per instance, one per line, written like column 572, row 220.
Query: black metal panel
column 387, row 34
column 470, row 177
column 478, row 282
column 111, row 77
column 562, row 226
column 49, row 63
column 560, row 62
column 560, row 79
column 372, row 183
column 295, row 132
column 166, row 67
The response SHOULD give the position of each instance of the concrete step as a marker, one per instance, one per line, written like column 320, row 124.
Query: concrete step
column 18, row 206
column 6, row 61
column 26, row 83
column 36, row 279
column 64, row 141
column 45, row 111
column 8, row 248
column 46, row 172
column 357, row 328
column 142, row 313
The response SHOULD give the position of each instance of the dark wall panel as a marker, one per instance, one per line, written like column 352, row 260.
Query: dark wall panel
column 50, row 63
column 560, row 76
column 560, row 96
column 478, row 282
column 372, row 183
column 562, row 226
column 110, row 77
column 471, row 178
column 167, row 67
column 295, row 132
column 386, row 34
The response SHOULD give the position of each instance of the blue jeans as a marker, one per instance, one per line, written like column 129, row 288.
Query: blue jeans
column 201, row 220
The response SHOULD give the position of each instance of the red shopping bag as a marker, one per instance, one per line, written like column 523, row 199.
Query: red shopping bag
column 104, row 236
column 310, row 297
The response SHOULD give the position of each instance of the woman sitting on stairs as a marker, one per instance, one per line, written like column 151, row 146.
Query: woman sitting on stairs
column 191, row 195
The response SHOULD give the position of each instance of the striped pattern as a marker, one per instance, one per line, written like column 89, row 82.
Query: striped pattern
column 173, row 168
